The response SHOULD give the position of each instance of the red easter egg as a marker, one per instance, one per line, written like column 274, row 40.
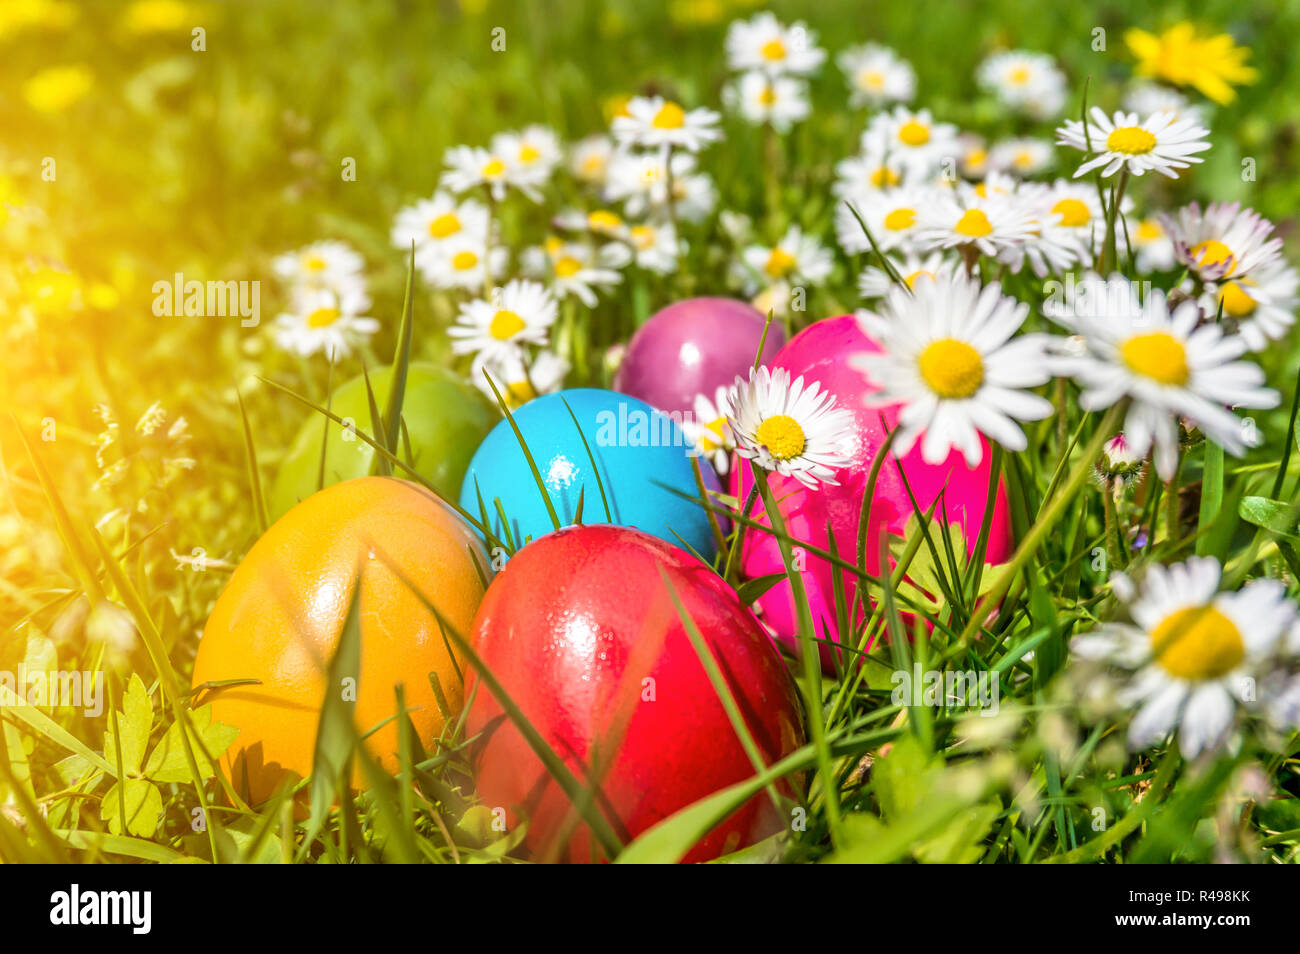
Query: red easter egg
column 581, row 631
column 821, row 353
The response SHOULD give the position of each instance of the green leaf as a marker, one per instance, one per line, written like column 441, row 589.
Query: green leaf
column 134, row 722
column 143, row 804
column 167, row 761
column 1273, row 515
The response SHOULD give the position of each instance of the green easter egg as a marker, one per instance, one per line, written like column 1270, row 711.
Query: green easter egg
column 446, row 420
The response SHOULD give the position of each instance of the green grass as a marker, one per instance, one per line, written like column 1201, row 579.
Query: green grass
column 211, row 163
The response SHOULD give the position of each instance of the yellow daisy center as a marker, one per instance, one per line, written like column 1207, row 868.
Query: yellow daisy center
column 603, row 221
column 973, row 224
column 883, row 177
column 1213, row 252
column 782, row 436
column 917, row 275
column 773, row 50
column 323, row 317
column 493, row 169
column 643, row 237
column 1236, row 302
column 1157, row 355
column 713, row 436
column 1131, row 140
column 444, row 225
column 314, row 263
column 1149, row 230
column 567, row 266
column 464, row 261
column 529, row 153
column 952, row 368
column 520, row 392
column 871, row 79
column 505, row 325
column 779, row 263
column 593, row 165
column 913, row 133
column 900, row 219
column 1073, row 212
column 1018, row 76
column 1198, row 642
column 768, row 96
column 670, row 116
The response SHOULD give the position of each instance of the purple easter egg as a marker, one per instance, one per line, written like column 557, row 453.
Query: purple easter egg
column 693, row 347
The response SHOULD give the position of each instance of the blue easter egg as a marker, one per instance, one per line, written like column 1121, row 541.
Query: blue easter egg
column 640, row 453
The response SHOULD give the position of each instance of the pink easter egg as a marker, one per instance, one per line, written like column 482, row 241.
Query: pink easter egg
column 821, row 353
column 693, row 347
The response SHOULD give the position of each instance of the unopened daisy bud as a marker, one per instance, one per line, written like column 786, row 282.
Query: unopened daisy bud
column 1118, row 457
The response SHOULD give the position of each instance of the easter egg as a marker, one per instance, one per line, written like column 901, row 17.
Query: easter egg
column 693, row 347
column 581, row 631
column 640, row 455
column 821, row 353
column 445, row 417
column 281, row 614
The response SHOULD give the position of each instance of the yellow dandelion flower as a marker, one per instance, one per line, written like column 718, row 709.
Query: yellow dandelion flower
column 55, row 89
column 1181, row 56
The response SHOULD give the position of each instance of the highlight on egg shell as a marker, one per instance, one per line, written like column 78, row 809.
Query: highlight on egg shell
column 820, row 353
column 280, row 617
column 694, row 347
column 600, row 448
column 581, row 630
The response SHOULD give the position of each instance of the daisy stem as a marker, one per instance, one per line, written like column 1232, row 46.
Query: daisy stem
column 670, row 198
column 487, row 245
column 771, row 158
column 1114, row 552
column 809, row 655
column 1172, row 516
column 1047, row 519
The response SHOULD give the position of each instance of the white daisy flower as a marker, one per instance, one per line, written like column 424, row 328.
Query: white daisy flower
column 519, row 379
column 461, row 262
column 654, row 247
column 763, row 43
column 1026, row 82
column 589, row 159
column 1153, row 249
column 430, row 223
column 874, row 282
column 1071, row 225
column 973, row 156
column 1146, row 98
column 991, row 223
column 872, row 171
column 329, row 265
column 786, row 427
column 658, row 123
column 913, row 138
column 1164, row 362
column 709, row 431
column 796, row 258
column 877, row 75
column 1195, row 653
column 640, row 182
column 1161, row 143
column 891, row 216
column 575, row 269
column 779, row 101
column 1262, row 304
column 531, row 155
column 1224, row 240
column 1022, row 157
column 602, row 222
column 324, row 321
column 468, row 167
column 951, row 358
column 519, row 314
